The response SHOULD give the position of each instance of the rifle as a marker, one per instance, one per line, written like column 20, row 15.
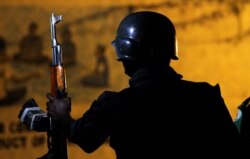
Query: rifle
column 36, row 119
column 58, row 145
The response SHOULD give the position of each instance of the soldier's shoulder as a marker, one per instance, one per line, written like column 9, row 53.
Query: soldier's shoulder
column 201, row 86
column 105, row 95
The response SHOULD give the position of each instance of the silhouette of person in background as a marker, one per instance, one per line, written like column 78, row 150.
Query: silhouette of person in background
column 101, row 67
column 68, row 47
column 160, row 115
column 15, row 93
column 3, row 50
column 100, row 75
column 31, row 47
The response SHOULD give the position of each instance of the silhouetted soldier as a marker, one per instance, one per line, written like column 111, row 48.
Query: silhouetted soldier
column 159, row 115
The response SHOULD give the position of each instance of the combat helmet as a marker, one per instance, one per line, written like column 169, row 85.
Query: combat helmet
column 145, row 35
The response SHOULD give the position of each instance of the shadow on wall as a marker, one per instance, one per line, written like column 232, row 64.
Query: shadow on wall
column 100, row 74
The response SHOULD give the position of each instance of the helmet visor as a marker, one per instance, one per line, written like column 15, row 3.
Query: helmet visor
column 125, row 49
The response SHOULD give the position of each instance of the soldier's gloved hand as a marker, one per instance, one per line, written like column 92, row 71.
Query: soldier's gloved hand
column 58, row 109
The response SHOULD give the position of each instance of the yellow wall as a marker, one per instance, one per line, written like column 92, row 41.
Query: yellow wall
column 213, row 41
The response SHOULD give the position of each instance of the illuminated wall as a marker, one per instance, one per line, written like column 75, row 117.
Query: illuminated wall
column 213, row 39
